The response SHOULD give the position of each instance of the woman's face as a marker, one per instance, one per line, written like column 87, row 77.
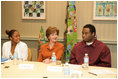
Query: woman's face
column 15, row 37
column 53, row 37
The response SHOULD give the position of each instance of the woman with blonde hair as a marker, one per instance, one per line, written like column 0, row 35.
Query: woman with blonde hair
column 47, row 50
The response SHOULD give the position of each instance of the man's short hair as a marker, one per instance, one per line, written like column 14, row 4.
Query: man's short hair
column 91, row 27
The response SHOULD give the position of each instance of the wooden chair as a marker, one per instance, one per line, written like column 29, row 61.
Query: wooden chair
column 29, row 55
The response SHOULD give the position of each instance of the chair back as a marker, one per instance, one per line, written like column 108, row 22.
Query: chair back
column 29, row 55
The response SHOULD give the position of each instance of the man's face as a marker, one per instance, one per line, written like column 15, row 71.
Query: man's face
column 87, row 35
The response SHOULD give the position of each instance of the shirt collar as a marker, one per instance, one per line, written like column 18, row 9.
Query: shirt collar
column 93, row 44
column 48, row 47
column 89, row 43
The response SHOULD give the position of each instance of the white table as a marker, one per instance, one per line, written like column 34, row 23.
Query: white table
column 40, row 71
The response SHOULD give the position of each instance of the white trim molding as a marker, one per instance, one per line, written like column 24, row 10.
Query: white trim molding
column 29, row 38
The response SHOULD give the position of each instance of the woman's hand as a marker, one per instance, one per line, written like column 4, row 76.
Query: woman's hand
column 47, row 61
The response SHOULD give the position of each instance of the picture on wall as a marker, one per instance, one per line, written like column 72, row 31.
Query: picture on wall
column 33, row 10
column 105, row 10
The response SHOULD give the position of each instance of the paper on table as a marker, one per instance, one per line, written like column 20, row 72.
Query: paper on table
column 102, row 71
column 54, row 69
column 26, row 66
column 73, row 66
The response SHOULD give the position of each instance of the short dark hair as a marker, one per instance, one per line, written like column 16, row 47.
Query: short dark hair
column 10, row 32
column 91, row 27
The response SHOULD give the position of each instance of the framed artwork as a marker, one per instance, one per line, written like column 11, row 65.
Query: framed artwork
column 33, row 10
column 105, row 10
